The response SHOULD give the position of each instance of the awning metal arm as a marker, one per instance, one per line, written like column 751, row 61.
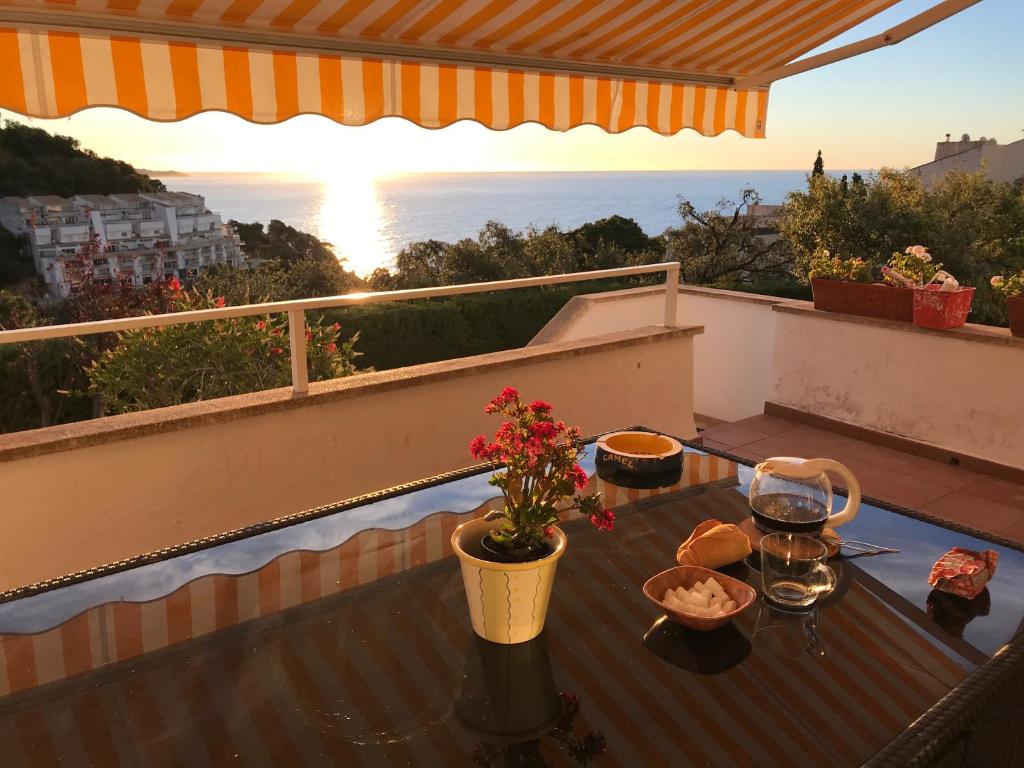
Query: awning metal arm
column 896, row 34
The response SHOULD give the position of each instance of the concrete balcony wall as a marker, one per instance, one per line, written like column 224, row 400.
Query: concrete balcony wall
column 81, row 495
column 961, row 390
column 733, row 357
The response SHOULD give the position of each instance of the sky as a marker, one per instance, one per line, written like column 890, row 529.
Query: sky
column 884, row 108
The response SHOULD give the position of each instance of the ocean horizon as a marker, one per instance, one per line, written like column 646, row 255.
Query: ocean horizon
column 369, row 220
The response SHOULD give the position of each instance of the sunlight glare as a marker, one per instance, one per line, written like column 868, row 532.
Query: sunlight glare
column 353, row 219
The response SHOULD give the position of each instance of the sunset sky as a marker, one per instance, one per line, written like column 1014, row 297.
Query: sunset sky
column 888, row 107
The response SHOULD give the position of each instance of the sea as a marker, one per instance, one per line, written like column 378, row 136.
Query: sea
column 369, row 220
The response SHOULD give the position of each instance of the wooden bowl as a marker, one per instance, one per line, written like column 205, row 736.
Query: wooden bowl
column 686, row 576
column 641, row 453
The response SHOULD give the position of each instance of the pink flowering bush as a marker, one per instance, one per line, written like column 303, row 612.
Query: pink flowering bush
column 542, row 469
column 156, row 367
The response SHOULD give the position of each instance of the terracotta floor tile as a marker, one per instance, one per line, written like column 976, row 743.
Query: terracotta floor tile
column 717, row 446
column 977, row 512
column 899, row 488
column 733, row 435
column 767, row 425
column 1015, row 533
column 997, row 490
column 914, row 466
column 815, row 438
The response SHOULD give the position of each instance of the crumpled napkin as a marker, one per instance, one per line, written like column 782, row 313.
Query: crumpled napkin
column 963, row 572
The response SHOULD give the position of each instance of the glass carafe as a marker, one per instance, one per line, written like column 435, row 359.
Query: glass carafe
column 794, row 495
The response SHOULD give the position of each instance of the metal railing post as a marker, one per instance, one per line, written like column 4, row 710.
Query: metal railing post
column 297, row 348
column 671, row 294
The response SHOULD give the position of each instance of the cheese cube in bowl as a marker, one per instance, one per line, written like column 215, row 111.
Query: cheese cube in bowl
column 699, row 598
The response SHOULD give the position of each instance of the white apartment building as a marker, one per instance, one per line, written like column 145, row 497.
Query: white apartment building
column 134, row 237
column 1001, row 162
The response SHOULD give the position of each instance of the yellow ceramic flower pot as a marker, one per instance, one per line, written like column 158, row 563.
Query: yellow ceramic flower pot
column 507, row 601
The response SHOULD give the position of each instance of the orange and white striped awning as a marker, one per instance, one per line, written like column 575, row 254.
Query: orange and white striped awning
column 664, row 64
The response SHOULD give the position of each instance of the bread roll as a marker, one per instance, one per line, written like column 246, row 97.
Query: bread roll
column 714, row 544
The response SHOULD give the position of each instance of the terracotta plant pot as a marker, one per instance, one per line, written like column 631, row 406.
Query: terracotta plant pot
column 1015, row 308
column 941, row 310
column 866, row 299
column 508, row 602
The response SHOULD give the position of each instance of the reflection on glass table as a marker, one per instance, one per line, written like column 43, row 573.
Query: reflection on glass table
column 346, row 638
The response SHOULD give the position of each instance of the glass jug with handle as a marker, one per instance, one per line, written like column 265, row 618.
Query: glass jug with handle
column 794, row 495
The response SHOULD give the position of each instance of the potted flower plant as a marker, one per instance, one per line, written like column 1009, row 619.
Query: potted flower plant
column 1012, row 288
column 845, row 285
column 509, row 557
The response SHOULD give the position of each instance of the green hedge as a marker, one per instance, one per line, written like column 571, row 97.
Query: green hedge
column 413, row 332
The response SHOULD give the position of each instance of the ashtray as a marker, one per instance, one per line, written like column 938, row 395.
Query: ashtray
column 641, row 453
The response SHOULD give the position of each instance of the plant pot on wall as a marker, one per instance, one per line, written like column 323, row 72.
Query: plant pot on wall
column 941, row 310
column 1015, row 309
column 866, row 299
column 508, row 602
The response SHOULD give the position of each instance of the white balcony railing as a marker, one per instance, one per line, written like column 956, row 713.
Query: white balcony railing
column 297, row 309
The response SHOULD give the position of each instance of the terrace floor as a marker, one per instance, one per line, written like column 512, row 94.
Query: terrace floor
column 952, row 493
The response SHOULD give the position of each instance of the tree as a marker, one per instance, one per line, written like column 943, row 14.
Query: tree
column 34, row 162
column 868, row 220
column 819, row 166
column 722, row 244
column 37, row 376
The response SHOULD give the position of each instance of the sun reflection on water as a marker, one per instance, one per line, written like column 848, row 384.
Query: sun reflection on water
column 356, row 221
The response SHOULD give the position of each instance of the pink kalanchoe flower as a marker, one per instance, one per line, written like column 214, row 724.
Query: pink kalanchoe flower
column 549, row 531
column 604, row 520
column 579, row 477
column 540, row 406
column 477, row 446
column 545, row 430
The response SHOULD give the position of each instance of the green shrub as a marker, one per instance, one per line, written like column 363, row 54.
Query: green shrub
column 414, row 332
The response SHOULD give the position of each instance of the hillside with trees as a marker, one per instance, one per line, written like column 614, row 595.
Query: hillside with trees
column 34, row 162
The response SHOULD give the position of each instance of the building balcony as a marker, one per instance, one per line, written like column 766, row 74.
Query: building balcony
column 761, row 376
column 729, row 357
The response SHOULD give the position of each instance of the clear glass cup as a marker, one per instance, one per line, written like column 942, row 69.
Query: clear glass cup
column 793, row 569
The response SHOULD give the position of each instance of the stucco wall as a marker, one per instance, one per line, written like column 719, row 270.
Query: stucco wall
column 952, row 389
column 732, row 358
column 82, row 495
column 961, row 390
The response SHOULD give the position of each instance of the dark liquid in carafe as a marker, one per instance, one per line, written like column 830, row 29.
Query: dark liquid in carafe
column 788, row 513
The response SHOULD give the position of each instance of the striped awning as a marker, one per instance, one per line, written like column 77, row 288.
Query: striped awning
column 664, row 64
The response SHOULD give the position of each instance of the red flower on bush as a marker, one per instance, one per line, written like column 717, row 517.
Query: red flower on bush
column 276, row 350
column 174, row 285
column 507, row 396
column 331, row 348
column 261, row 325
column 219, row 302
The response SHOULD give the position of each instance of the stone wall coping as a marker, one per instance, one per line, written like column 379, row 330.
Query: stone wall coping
column 971, row 332
column 81, row 434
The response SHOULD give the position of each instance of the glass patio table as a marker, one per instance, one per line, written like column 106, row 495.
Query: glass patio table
column 342, row 636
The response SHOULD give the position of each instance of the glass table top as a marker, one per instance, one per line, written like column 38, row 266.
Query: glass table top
column 346, row 639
